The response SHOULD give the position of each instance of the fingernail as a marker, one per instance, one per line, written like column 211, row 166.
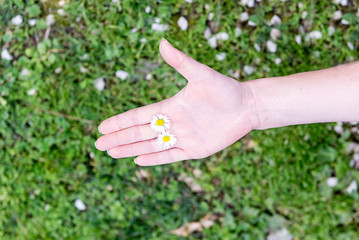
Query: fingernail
column 95, row 144
column 135, row 161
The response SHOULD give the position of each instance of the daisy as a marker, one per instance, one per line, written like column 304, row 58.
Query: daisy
column 166, row 140
column 160, row 123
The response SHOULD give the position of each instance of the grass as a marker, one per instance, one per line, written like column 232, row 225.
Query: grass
column 270, row 179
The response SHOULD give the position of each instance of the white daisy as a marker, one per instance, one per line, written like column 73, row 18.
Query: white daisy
column 160, row 123
column 166, row 140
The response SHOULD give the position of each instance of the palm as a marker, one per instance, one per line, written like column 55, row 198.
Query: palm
column 206, row 116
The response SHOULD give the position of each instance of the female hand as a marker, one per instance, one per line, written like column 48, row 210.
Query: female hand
column 210, row 113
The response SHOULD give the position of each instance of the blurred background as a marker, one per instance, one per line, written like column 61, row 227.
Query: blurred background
column 67, row 65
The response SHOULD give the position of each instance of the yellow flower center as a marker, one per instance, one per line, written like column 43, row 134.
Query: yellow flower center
column 166, row 138
column 160, row 122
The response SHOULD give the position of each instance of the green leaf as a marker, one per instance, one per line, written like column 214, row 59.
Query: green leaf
column 33, row 11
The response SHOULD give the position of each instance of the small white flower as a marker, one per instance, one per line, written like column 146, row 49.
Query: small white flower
column 210, row 16
column 298, row 39
column 24, row 72
column 61, row 3
column 337, row 15
column 257, row 47
column 252, row 24
column 143, row 40
column 122, row 74
column 281, row 234
column 85, row 56
column 50, row 20
column 314, row 35
column 353, row 187
column 222, row 36
column 47, row 207
column 5, row 54
column 244, row 17
column 159, row 27
column 350, row 46
column 61, row 12
column 160, row 123
column 220, row 56
column 275, row 20
column 166, row 140
column 32, row 22
column 248, row 69
column 134, row 30
column 212, row 42
column 316, row 54
column 304, row 14
column 99, row 83
column 79, row 204
column 31, row 92
column 339, row 128
column 148, row 76
column 207, row 33
column 277, row 61
column 58, row 70
column 275, row 33
column 331, row 30
column 189, row 1
column 344, row 22
column 237, row 31
column 272, row 47
column 17, row 20
column 344, row 2
column 148, row 9
column 182, row 23
column 332, row 181
column 83, row 69
column 157, row 20
column 251, row 3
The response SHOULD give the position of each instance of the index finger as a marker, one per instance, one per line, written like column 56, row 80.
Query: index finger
column 130, row 118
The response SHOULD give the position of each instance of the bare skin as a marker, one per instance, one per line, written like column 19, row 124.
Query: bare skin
column 213, row 110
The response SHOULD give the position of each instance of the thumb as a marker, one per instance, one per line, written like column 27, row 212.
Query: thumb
column 185, row 65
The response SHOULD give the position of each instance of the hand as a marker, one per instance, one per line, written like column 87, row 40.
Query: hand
column 209, row 114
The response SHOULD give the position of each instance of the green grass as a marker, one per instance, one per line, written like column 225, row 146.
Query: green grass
column 47, row 153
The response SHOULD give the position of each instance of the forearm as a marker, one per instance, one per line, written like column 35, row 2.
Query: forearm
column 327, row 95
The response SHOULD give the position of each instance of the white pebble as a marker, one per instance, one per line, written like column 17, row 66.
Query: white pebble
column 248, row 69
column 207, row 33
column 275, row 33
column 159, row 27
column 24, row 72
column 122, row 74
column 350, row 46
column 277, row 61
column 182, row 23
column 353, row 187
column 212, row 42
column 332, row 181
column 31, row 92
column 32, row 22
column 272, row 47
column 337, row 15
column 298, row 39
column 237, row 31
column 210, row 16
column 5, row 54
column 220, row 56
column 275, row 20
column 50, row 20
column 17, row 20
column 244, row 17
column 344, row 22
column 99, row 83
column 281, row 234
column 257, row 47
column 304, row 14
column 331, row 30
column 79, row 204
column 148, row 9
column 250, row 23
